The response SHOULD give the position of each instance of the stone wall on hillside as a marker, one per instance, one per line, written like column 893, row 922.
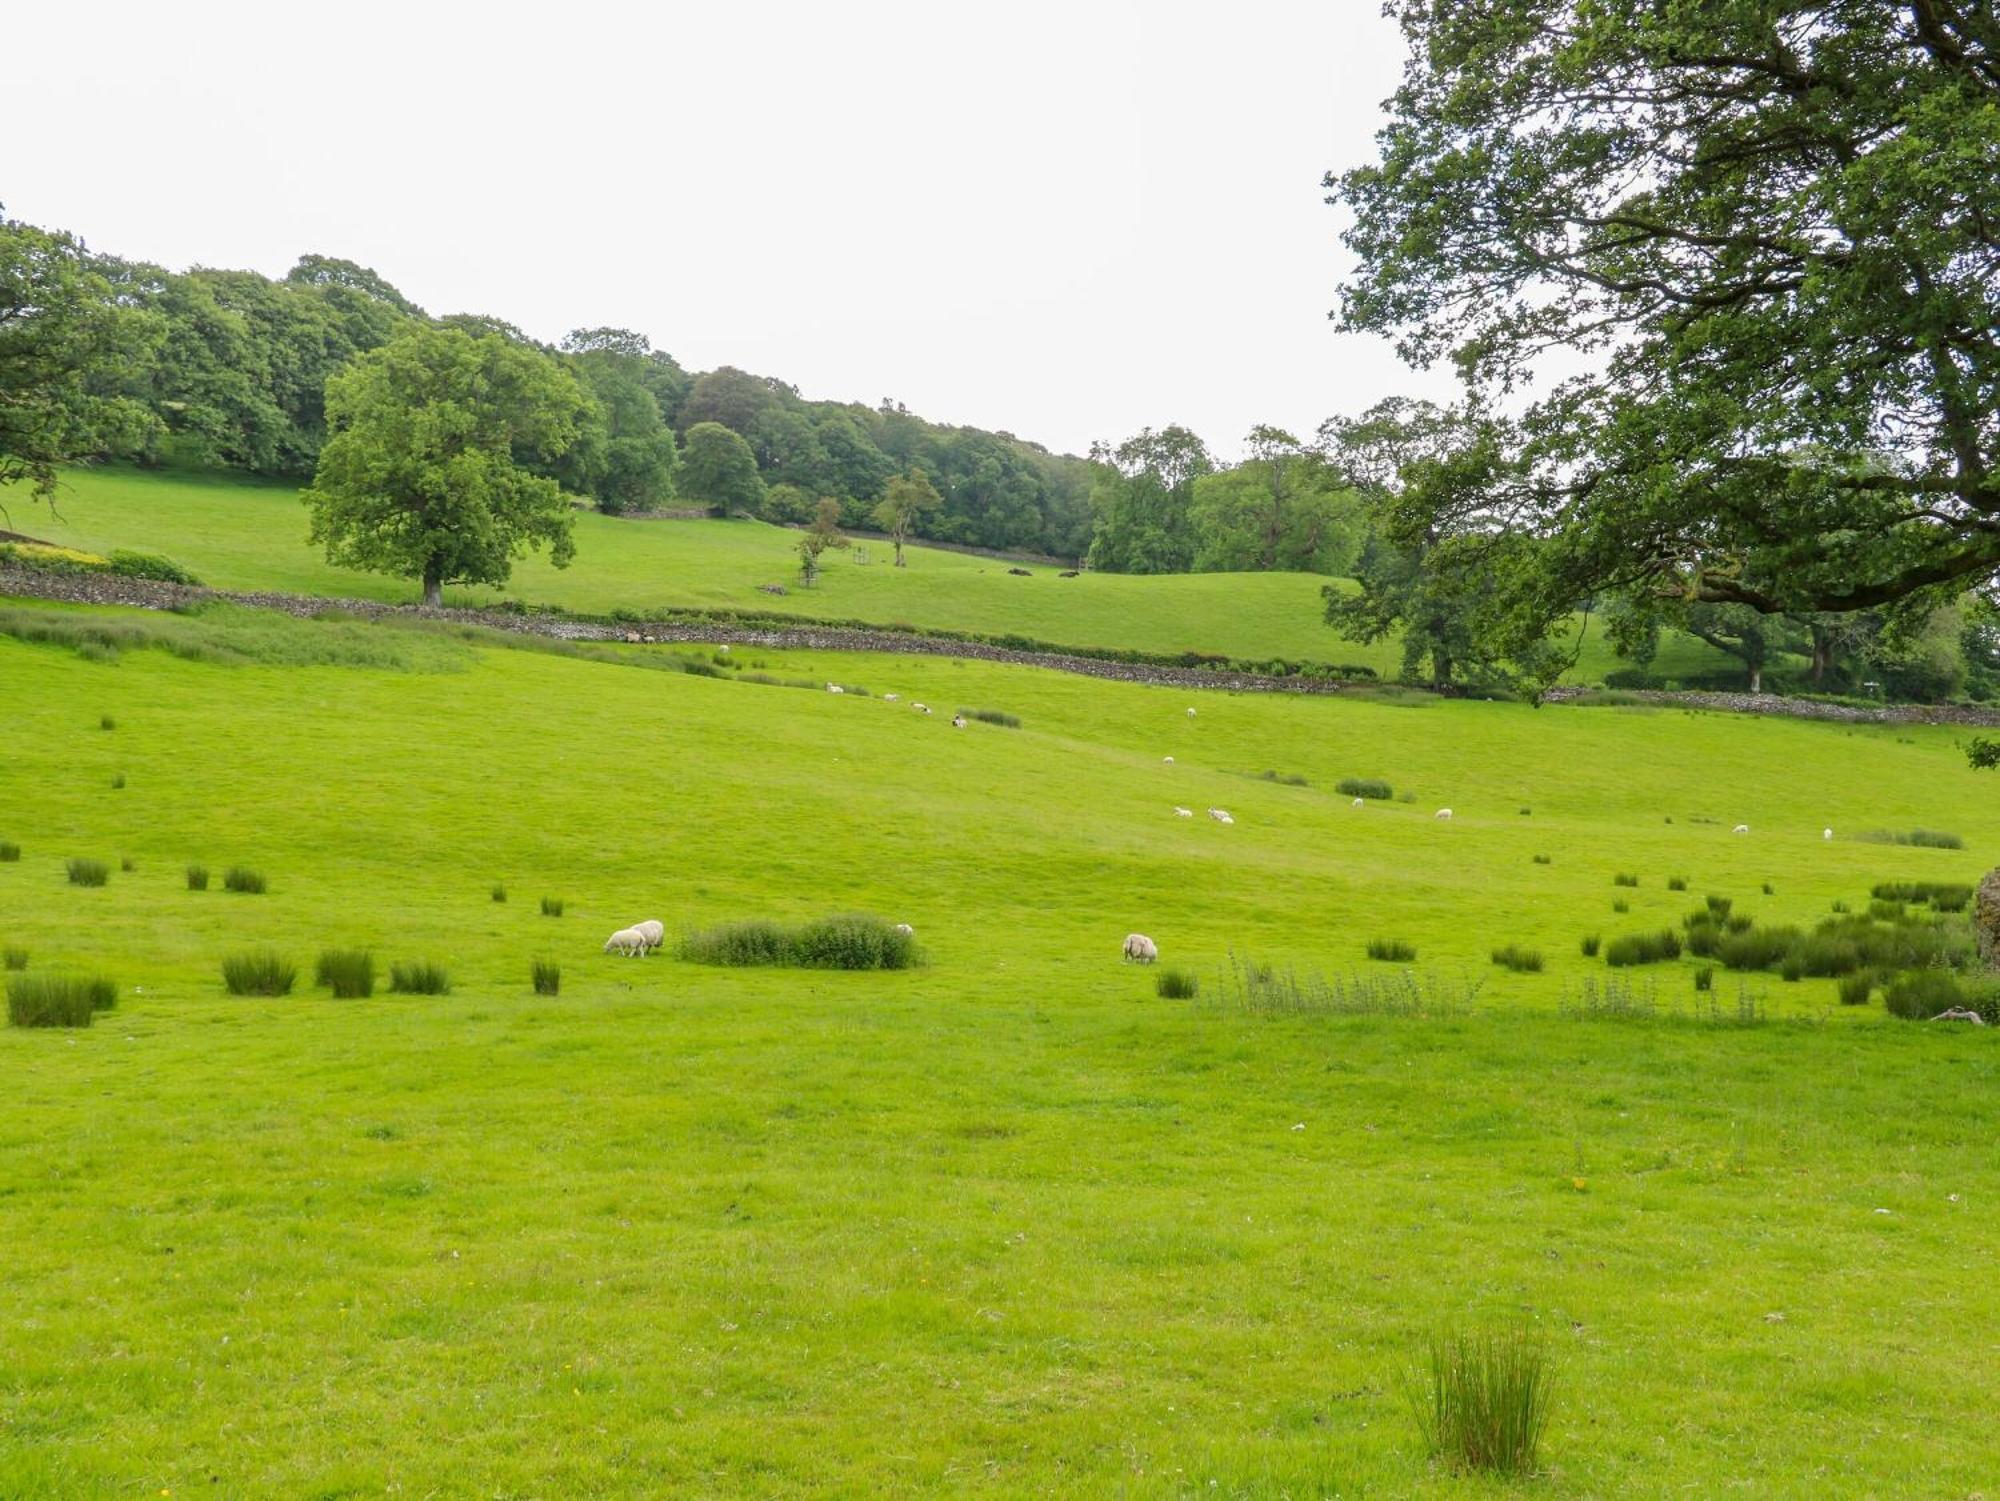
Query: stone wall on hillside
column 1986, row 918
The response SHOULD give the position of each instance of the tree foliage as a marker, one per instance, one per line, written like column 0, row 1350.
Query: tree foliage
column 1143, row 495
column 1766, row 233
column 906, row 500
column 718, row 470
column 1283, row 507
column 429, row 468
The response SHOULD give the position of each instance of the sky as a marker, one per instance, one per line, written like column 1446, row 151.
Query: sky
column 1067, row 221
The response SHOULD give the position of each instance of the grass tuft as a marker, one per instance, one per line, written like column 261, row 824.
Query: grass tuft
column 9, row 852
column 1176, row 984
column 1677, row 883
column 242, row 878
column 1371, row 787
column 552, row 906
column 1643, row 948
column 1936, row 839
column 259, row 972
column 1518, row 959
column 13, row 957
column 107, row 723
column 197, row 878
column 1624, row 878
column 993, row 716
column 547, row 976
column 1591, row 944
column 853, row 942
column 499, row 893
column 88, row 872
column 419, row 977
column 1482, row 1401
column 348, row 973
column 1856, row 989
column 57, row 1000
column 1391, row 950
column 1542, row 860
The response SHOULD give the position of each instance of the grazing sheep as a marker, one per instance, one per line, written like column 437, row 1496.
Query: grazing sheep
column 958, row 721
column 1220, row 815
column 906, row 930
column 1166, row 760
column 1184, row 813
column 1190, row 713
column 1444, row 813
column 1140, row 949
column 835, row 688
column 890, row 698
column 627, row 941
column 1741, row 828
column 655, row 933
column 921, row 708
column 1826, row 833
column 1360, row 802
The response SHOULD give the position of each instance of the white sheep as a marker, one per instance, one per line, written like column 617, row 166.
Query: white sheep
column 958, row 721
column 627, row 941
column 1358, row 802
column 1741, row 828
column 890, row 698
column 1184, row 813
column 1166, row 760
column 1220, row 815
column 906, row 930
column 1444, row 813
column 1190, row 713
column 835, row 688
column 1140, row 949
column 921, row 708
column 1826, row 833
column 654, row 931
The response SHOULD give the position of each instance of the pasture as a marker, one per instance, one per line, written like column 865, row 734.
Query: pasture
column 239, row 535
column 1004, row 1224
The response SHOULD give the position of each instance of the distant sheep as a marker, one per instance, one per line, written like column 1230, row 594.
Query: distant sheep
column 890, row 698
column 1190, row 713
column 906, row 930
column 1826, row 833
column 627, row 941
column 1741, row 828
column 655, row 934
column 921, row 708
column 1184, row 813
column 1444, row 813
column 958, row 721
column 1360, row 802
column 1139, row 949
column 1166, row 760
column 1220, row 815
column 835, row 688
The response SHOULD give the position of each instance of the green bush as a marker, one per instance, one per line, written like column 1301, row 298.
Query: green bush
column 1643, row 948
column 106, row 722
column 552, row 906
column 258, row 972
column 1542, row 860
column 12, row 957
column 1621, row 906
column 419, row 977
column 1825, row 956
column 88, row 872
column 242, row 878
column 146, row 565
column 1719, row 906
column 1176, row 984
column 9, row 852
column 738, row 944
column 1920, row 994
column 1482, row 1402
column 1591, row 943
column 547, row 975
column 1391, row 950
column 1373, row 787
column 1677, row 883
column 197, row 877
column 1936, row 839
column 348, row 973
column 1756, row 948
column 993, row 716
column 1943, row 896
column 854, row 942
column 1519, row 960
column 57, row 1000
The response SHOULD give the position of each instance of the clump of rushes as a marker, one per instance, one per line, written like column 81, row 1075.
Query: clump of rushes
column 1542, row 860
column 1621, row 906
column 88, row 872
column 499, row 893
column 107, row 723
column 242, row 878
column 197, row 877
column 1482, row 1401
column 13, row 958
column 9, row 852
column 1391, row 950
column 1643, row 948
column 1518, row 959
column 1704, row 978
column 552, row 906
column 127, row 864
column 1590, row 945
column 1677, row 883
column 1624, row 878
column 348, row 973
column 1856, row 989
column 1176, row 985
column 57, row 1000
column 547, row 977
column 258, row 972
column 419, row 977
column 118, row 782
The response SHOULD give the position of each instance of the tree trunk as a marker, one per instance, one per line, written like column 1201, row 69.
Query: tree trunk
column 1756, row 677
column 434, row 583
column 899, row 551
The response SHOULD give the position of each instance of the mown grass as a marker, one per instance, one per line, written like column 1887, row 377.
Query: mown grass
column 720, row 1230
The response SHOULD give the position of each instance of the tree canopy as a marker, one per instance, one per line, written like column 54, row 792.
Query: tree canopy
column 429, row 467
column 1765, row 233
column 906, row 499
column 719, row 470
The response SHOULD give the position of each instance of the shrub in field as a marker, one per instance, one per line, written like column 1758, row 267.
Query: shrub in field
column 1591, row 943
column 552, row 906
column 1756, row 948
column 1936, row 839
column 1391, row 950
column 1677, row 883
column 88, row 872
column 1371, row 787
column 1542, row 860
column 13, row 958
column 1823, row 955
column 1737, row 922
column 856, row 942
column 499, row 893
column 147, row 565
column 9, row 852
column 107, row 723
column 242, row 878
column 738, row 944
column 57, row 1000
column 1941, row 895
column 993, row 716
column 1624, row 878
column 1643, row 948
column 419, row 977
column 1719, row 906
column 118, row 782
column 1704, row 978
column 348, row 973
column 197, row 877
column 1769, row 889
column 1176, row 984
column 547, row 976
column 1621, row 906
column 1921, row 994
column 1482, row 1401
column 1704, row 938
column 1887, row 911
column 259, row 972
column 1519, row 960
column 127, row 864
column 1855, row 989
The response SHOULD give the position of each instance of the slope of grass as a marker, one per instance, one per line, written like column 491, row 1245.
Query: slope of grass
column 1005, row 1224
column 240, row 535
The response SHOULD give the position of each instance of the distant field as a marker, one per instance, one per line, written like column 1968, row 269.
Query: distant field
column 1006, row 1225
column 239, row 535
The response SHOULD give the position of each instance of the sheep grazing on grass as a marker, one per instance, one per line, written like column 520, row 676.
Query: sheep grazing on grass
column 1166, row 760
column 1826, row 833
column 921, row 708
column 1360, row 802
column 1220, row 815
column 890, row 698
column 835, row 688
column 958, row 721
column 1139, row 949
column 1444, row 813
column 1190, row 713
column 1184, row 813
column 1741, row 828
column 906, row 930
column 627, row 941
column 654, row 932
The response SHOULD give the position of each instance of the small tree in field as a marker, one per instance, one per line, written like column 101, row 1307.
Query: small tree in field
column 424, row 470
column 904, row 499
column 822, row 534
column 1984, row 754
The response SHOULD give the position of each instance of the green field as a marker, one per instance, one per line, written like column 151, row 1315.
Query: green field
column 239, row 535
column 1004, row 1225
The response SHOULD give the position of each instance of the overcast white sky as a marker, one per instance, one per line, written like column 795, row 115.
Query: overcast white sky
column 1065, row 220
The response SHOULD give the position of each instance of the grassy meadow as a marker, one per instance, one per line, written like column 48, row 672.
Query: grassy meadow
column 1005, row 1224
column 241, row 535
